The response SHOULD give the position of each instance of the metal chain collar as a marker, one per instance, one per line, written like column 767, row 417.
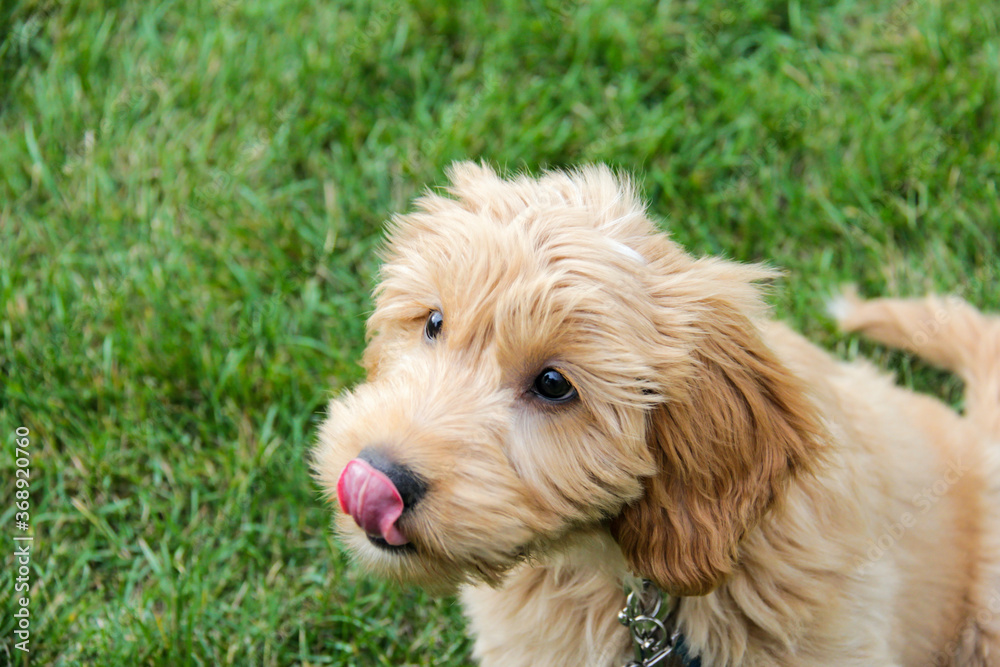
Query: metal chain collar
column 653, row 626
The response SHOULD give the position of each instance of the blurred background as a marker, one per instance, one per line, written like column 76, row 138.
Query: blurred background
column 192, row 194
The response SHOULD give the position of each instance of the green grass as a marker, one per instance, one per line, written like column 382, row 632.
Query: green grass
column 190, row 196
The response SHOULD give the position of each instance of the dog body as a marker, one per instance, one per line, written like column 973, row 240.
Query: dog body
column 870, row 563
column 559, row 400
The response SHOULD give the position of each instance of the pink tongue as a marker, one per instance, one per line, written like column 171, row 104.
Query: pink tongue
column 372, row 500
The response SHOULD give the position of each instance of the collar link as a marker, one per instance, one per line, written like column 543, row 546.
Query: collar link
column 651, row 618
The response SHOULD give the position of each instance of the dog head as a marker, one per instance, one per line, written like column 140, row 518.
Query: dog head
column 541, row 361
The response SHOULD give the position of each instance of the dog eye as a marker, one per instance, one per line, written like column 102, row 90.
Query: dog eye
column 553, row 386
column 432, row 329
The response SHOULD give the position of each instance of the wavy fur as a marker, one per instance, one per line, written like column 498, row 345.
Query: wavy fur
column 809, row 511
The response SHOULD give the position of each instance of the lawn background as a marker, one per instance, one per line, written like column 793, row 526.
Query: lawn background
column 190, row 196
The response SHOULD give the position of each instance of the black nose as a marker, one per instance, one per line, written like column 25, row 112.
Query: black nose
column 410, row 486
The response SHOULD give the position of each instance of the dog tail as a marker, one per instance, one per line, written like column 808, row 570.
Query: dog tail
column 947, row 332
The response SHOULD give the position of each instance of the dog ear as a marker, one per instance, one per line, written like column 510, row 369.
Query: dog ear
column 724, row 449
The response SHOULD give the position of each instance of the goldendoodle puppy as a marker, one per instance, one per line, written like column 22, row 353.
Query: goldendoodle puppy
column 560, row 400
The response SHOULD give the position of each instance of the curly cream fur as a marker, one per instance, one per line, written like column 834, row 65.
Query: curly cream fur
column 810, row 512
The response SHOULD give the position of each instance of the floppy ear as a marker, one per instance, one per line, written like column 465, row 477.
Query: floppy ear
column 724, row 450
